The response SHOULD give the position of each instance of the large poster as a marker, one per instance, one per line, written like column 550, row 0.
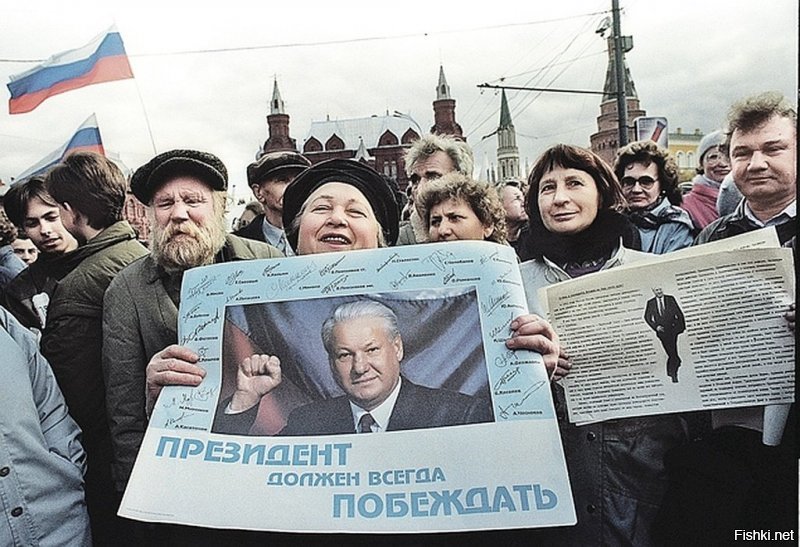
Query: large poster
column 469, row 439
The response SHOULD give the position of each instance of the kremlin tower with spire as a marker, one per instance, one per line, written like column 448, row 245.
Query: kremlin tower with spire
column 278, row 126
column 605, row 142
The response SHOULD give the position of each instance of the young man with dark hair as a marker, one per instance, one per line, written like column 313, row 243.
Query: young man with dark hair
column 34, row 212
column 90, row 192
column 10, row 264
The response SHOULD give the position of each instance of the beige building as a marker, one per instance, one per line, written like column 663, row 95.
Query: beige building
column 683, row 147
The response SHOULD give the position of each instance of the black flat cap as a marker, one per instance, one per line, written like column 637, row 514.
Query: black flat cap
column 377, row 191
column 176, row 163
column 274, row 165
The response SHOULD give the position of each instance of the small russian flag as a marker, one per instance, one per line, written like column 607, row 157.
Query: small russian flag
column 86, row 137
column 101, row 60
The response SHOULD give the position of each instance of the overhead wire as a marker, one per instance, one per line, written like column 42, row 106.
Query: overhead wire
column 468, row 114
column 524, row 106
column 532, row 98
column 540, row 75
column 339, row 41
column 486, row 104
column 566, row 61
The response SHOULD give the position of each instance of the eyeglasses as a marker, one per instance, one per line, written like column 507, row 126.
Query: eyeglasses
column 715, row 156
column 644, row 181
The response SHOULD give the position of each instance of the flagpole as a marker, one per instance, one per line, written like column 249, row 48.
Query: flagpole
column 144, row 110
column 146, row 118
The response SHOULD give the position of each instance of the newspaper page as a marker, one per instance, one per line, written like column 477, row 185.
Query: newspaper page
column 757, row 239
column 471, row 443
column 704, row 331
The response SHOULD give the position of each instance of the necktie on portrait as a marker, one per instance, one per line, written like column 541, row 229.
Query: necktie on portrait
column 660, row 306
column 365, row 423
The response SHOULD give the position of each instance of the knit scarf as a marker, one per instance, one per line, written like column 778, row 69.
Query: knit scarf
column 703, row 180
column 584, row 252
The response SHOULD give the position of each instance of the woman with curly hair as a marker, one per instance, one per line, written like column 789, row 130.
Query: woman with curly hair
column 457, row 207
column 649, row 179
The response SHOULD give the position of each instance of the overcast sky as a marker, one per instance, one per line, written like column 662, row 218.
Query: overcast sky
column 353, row 59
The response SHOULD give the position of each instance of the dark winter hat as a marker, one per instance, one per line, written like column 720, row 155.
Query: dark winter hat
column 176, row 163
column 271, row 166
column 378, row 193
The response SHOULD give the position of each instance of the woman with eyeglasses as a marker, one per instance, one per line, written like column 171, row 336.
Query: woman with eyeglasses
column 616, row 467
column 649, row 179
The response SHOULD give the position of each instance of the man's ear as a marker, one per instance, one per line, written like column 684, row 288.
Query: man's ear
column 69, row 210
column 256, row 188
column 398, row 348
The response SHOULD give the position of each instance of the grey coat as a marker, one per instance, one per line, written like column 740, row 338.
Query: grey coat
column 139, row 320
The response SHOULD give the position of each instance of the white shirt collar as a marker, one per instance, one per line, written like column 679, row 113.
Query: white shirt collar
column 380, row 414
column 790, row 212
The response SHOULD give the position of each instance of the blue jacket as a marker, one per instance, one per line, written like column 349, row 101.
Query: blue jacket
column 10, row 265
column 664, row 228
column 41, row 458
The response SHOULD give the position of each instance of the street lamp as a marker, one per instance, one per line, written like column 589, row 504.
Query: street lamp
column 398, row 114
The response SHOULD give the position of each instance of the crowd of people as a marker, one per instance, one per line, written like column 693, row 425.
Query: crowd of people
column 90, row 318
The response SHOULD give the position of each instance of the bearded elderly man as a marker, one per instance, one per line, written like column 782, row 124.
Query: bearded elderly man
column 185, row 192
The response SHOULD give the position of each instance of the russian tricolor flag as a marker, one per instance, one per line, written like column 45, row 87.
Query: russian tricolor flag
column 101, row 60
column 87, row 137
